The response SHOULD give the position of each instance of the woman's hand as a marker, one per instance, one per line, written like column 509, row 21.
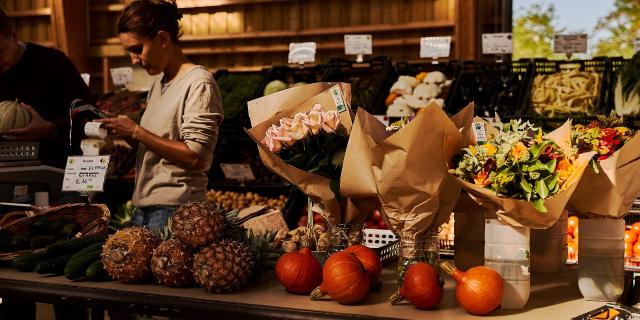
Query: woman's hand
column 121, row 127
column 38, row 129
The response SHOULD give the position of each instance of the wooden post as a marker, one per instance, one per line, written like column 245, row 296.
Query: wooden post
column 70, row 25
column 467, row 36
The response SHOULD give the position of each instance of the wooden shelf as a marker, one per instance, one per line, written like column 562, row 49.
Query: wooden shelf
column 380, row 28
column 188, row 4
column 42, row 12
column 117, row 51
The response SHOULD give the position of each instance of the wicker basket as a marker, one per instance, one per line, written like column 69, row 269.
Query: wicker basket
column 93, row 218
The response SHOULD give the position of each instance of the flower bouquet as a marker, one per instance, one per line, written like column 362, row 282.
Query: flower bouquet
column 302, row 135
column 615, row 171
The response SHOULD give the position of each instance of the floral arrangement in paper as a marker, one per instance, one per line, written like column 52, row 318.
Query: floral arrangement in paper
column 604, row 136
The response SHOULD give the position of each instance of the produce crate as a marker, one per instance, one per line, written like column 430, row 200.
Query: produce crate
column 449, row 69
column 545, row 67
column 237, row 88
column 292, row 75
column 494, row 87
column 367, row 79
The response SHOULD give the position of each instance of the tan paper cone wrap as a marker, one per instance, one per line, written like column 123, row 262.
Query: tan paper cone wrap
column 520, row 212
column 268, row 110
column 612, row 191
column 410, row 169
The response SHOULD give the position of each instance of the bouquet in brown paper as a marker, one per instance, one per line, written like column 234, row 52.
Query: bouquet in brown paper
column 608, row 187
column 524, row 176
column 406, row 170
column 302, row 135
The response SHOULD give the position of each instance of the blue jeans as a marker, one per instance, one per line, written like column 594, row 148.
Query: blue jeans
column 154, row 218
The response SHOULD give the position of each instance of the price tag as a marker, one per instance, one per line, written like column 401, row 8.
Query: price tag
column 237, row 171
column 121, row 76
column 85, row 174
column 570, row 43
column 435, row 47
column 636, row 44
column 86, row 77
column 479, row 132
column 302, row 52
column 355, row 44
column 497, row 43
column 336, row 93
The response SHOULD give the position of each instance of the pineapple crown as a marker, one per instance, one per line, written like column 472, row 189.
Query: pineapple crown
column 265, row 254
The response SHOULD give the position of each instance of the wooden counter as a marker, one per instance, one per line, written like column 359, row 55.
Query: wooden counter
column 552, row 297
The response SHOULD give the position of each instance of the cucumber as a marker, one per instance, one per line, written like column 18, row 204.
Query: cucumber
column 73, row 245
column 76, row 267
column 90, row 248
column 96, row 272
column 53, row 266
column 28, row 262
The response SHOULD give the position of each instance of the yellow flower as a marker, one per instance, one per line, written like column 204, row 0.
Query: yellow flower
column 472, row 150
column 604, row 150
column 519, row 150
column 564, row 168
column 490, row 149
column 622, row 130
column 539, row 136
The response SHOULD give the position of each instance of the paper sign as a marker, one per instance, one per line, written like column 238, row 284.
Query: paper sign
column 497, row 43
column 570, row 43
column 435, row 47
column 479, row 132
column 636, row 44
column 356, row 44
column 237, row 171
column 121, row 76
column 272, row 220
column 86, row 77
column 302, row 52
column 336, row 93
column 85, row 173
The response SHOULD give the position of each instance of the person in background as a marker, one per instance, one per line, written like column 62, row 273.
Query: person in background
column 179, row 129
column 45, row 81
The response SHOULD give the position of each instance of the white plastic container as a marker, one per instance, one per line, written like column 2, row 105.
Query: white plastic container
column 506, row 250
column 549, row 247
column 601, row 259
column 469, row 240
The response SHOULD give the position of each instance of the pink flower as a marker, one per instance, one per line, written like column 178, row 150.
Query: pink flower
column 314, row 119
column 274, row 145
column 281, row 134
column 285, row 123
column 330, row 121
column 298, row 129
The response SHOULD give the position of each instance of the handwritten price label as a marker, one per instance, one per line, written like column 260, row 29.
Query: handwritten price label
column 435, row 47
column 570, row 43
column 355, row 44
column 497, row 43
column 302, row 52
column 121, row 76
column 237, row 171
column 85, row 174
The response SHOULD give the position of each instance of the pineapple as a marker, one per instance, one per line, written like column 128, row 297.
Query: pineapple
column 233, row 228
column 197, row 223
column 265, row 254
column 126, row 255
column 172, row 263
column 223, row 267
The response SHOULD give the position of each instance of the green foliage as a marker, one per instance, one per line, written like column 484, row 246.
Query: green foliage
column 533, row 32
column 624, row 25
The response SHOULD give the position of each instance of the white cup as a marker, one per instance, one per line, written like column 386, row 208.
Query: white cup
column 42, row 199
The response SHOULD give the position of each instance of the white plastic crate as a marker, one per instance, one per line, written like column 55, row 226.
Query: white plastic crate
column 376, row 238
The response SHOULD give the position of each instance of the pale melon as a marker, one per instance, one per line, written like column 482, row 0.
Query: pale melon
column 12, row 116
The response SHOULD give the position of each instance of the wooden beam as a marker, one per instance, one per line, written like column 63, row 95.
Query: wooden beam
column 69, row 25
column 467, row 34
column 41, row 12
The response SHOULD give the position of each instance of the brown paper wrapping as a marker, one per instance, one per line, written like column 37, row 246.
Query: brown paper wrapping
column 611, row 192
column 521, row 213
column 268, row 110
column 415, row 190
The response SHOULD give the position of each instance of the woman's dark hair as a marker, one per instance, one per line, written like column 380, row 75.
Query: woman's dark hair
column 6, row 27
column 146, row 18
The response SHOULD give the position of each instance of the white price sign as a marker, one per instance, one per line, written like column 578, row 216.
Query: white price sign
column 85, row 173
column 302, row 52
column 636, row 44
column 121, row 76
column 479, row 132
column 355, row 44
column 86, row 78
column 237, row 171
column 435, row 47
column 497, row 43
column 570, row 43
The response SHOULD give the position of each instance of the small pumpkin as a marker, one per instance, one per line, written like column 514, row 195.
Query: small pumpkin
column 390, row 99
column 343, row 279
column 13, row 116
column 422, row 286
column 478, row 290
column 299, row 272
column 369, row 258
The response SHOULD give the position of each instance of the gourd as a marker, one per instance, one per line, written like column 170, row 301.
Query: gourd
column 13, row 116
column 299, row 272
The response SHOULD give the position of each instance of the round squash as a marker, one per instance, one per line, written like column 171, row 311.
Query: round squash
column 12, row 116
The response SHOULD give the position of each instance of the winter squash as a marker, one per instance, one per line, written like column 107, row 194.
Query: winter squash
column 479, row 290
column 422, row 286
column 343, row 279
column 299, row 272
column 13, row 116
column 369, row 258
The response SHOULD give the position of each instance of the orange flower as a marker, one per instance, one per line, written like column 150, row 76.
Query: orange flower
column 565, row 169
column 519, row 150
column 482, row 179
column 490, row 149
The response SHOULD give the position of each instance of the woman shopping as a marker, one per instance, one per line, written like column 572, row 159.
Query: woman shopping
column 178, row 131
